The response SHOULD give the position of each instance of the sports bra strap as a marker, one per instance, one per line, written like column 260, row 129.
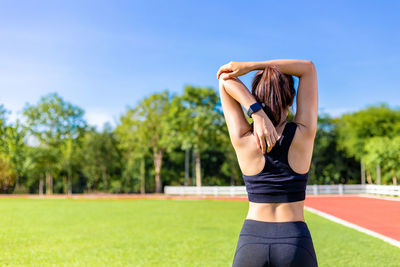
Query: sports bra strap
column 286, row 140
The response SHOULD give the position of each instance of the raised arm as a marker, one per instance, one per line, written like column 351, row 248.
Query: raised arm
column 307, row 93
column 234, row 94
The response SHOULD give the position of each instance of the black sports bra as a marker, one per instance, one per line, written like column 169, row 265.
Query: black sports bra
column 277, row 182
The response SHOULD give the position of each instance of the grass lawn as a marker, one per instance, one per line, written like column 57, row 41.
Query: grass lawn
column 152, row 232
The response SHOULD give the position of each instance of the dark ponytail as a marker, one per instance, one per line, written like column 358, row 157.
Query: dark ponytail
column 275, row 89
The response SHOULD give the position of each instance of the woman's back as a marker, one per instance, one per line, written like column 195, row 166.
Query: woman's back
column 276, row 179
column 299, row 153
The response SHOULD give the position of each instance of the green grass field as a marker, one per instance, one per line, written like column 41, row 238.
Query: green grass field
column 67, row 232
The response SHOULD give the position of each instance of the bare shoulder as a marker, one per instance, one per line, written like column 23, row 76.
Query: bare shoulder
column 252, row 160
column 250, row 157
column 301, row 148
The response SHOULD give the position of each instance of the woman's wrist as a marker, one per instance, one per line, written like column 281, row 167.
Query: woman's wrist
column 259, row 114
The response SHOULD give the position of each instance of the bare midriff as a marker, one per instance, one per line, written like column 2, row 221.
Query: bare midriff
column 276, row 212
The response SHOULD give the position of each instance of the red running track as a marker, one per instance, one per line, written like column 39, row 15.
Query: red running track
column 378, row 215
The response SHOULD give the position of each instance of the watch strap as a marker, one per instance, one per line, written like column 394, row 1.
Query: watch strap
column 253, row 108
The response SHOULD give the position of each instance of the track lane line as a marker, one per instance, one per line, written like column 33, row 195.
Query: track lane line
column 353, row 226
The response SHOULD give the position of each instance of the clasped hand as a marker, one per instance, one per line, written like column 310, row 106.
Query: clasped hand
column 264, row 130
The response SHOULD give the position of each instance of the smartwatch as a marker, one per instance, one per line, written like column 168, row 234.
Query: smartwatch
column 253, row 108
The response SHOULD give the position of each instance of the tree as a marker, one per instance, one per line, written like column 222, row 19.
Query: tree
column 330, row 164
column 3, row 112
column 153, row 112
column 15, row 149
column 393, row 160
column 6, row 173
column 71, row 161
column 52, row 121
column 199, row 120
column 101, row 159
column 383, row 152
column 12, row 153
column 355, row 129
column 230, row 166
column 133, row 143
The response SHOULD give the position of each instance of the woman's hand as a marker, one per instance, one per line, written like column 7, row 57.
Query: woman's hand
column 264, row 130
column 234, row 69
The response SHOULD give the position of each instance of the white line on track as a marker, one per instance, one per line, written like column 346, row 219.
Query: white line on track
column 379, row 197
column 354, row 226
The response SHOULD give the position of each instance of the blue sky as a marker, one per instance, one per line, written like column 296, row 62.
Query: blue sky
column 106, row 55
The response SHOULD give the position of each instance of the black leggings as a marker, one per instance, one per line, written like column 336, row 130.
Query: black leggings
column 274, row 244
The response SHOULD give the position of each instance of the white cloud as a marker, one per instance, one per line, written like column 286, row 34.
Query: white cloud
column 337, row 112
column 95, row 116
column 98, row 118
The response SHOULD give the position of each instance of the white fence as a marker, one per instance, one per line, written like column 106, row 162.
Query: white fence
column 393, row 190
column 205, row 190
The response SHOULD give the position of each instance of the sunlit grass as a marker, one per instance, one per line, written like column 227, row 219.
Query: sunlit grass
column 68, row 232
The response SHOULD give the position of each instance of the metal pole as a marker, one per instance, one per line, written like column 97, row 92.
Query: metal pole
column 378, row 173
column 362, row 173
column 187, row 166
column 193, row 167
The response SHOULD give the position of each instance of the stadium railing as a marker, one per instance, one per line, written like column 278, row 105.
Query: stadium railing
column 337, row 189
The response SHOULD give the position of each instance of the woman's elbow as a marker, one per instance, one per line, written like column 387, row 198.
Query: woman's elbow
column 311, row 65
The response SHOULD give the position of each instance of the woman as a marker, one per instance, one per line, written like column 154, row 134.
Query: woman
column 274, row 156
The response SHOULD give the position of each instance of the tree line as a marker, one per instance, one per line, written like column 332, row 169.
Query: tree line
column 174, row 139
